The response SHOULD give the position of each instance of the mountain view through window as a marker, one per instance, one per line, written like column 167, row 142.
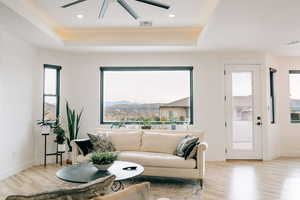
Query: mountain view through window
column 155, row 96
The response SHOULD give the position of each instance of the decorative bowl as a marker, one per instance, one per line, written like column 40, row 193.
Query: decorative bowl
column 103, row 167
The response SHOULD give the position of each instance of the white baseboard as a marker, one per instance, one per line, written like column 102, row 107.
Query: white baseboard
column 14, row 170
column 290, row 154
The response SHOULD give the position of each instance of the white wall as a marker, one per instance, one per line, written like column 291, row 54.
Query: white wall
column 289, row 132
column 80, row 85
column 272, row 139
column 17, row 62
column 54, row 58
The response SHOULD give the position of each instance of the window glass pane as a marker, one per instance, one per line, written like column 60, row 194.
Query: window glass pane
column 295, row 96
column 242, row 110
column 50, row 108
column 156, row 96
column 50, row 81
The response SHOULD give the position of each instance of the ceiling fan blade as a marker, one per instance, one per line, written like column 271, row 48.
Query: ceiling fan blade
column 73, row 3
column 155, row 3
column 103, row 8
column 128, row 9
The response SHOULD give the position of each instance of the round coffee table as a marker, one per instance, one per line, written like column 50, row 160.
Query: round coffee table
column 86, row 172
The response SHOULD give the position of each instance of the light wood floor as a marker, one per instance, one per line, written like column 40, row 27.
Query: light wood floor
column 233, row 180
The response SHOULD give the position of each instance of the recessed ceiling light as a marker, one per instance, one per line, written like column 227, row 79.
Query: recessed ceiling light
column 294, row 42
column 79, row 16
column 171, row 15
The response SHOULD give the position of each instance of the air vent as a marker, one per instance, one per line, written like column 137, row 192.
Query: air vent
column 146, row 23
column 294, row 42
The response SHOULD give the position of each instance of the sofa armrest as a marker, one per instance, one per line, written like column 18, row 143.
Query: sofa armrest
column 202, row 147
column 76, row 150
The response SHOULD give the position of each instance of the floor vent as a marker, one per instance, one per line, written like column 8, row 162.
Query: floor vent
column 145, row 23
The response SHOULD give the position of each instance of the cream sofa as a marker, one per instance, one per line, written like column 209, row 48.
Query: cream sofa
column 154, row 150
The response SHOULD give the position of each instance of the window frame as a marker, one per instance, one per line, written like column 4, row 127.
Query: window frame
column 146, row 68
column 57, row 95
column 292, row 71
column 273, row 95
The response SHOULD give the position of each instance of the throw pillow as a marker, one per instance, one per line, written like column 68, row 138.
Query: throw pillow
column 191, row 151
column 182, row 146
column 101, row 142
column 85, row 145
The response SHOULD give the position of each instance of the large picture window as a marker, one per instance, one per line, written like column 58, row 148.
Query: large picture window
column 294, row 79
column 51, row 93
column 154, row 94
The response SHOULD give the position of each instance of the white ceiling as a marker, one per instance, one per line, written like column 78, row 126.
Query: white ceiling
column 259, row 25
column 188, row 13
column 246, row 25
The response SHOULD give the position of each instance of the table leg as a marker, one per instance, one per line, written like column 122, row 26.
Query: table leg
column 61, row 155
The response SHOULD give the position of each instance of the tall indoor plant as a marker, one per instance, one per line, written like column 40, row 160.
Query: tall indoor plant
column 73, row 124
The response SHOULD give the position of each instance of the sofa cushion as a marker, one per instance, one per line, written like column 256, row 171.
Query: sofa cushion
column 148, row 159
column 84, row 159
column 85, row 146
column 191, row 151
column 184, row 144
column 101, row 142
column 160, row 142
column 197, row 133
column 126, row 140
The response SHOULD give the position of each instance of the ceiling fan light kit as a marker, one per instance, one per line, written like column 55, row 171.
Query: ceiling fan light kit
column 123, row 3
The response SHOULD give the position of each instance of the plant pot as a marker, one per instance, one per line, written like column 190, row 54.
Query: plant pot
column 61, row 148
column 69, row 158
column 173, row 127
column 103, row 167
column 146, row 127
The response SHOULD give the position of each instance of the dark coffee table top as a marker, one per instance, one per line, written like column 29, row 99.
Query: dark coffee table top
column 86, row 172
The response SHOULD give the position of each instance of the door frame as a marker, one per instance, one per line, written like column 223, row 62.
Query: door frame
column 257, row 152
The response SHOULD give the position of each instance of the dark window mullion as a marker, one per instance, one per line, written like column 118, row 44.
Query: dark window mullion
column 50, row 95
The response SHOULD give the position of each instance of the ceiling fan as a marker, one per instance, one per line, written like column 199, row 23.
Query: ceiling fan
column 124, row 4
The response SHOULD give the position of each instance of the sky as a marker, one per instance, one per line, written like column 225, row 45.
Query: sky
column 295, row 86
column 241, row 83
column 146, row 86
column 161, row 86
column 50, row 84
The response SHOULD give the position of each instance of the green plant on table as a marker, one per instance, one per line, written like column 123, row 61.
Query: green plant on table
column 103, row 158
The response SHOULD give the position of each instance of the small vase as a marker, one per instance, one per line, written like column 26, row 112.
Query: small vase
column 173, row 127
column 103, row 167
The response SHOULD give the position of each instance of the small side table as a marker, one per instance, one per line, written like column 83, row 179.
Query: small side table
column 57, row 153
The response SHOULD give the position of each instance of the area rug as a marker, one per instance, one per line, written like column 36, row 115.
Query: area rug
column 171, row 188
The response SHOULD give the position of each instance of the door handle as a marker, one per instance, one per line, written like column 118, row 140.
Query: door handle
column 258, row 123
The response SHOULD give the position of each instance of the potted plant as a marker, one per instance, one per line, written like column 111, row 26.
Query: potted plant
column 60, row 137
column 103, row 160
column 146, row 124
column 118, row 125
column 73, row 127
